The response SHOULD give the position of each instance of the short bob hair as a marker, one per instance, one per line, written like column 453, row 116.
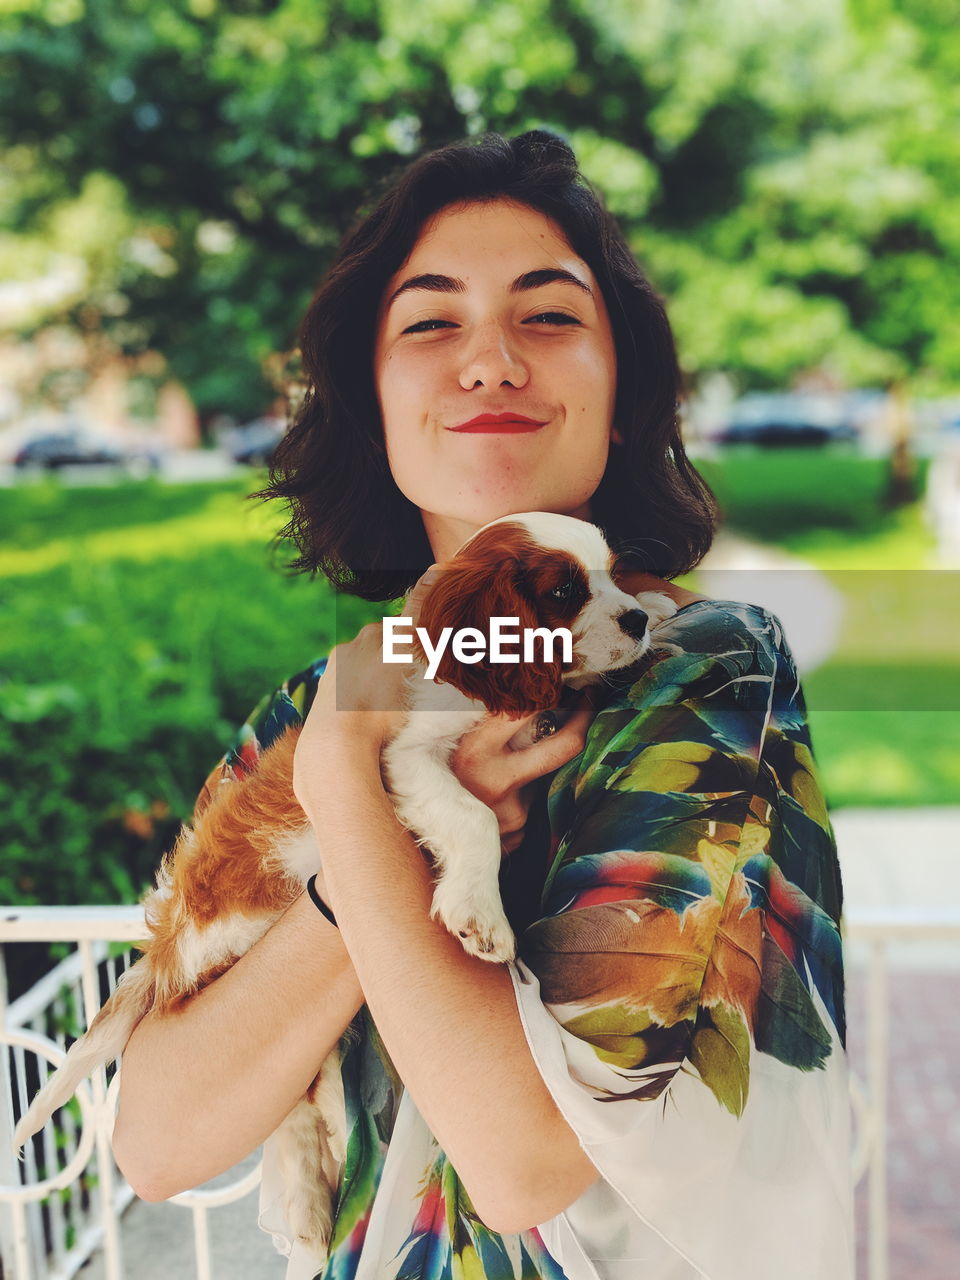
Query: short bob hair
column 348, row 519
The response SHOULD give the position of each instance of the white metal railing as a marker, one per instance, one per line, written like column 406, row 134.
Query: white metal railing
column 34, row 1248
column 45, row 1235
column 879, row 927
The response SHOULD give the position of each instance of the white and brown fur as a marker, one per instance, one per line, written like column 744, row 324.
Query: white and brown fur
column 251, row 849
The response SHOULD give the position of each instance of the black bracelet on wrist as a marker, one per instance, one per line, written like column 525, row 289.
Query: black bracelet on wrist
column 318, row 902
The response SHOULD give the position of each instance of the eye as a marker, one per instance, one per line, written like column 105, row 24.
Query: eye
column 563, row 592
column 425, row 326
column 551, row 317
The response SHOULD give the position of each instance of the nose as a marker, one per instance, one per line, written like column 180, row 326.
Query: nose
column 492, row 362
column 634, row 623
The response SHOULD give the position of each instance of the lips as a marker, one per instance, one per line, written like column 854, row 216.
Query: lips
column 503, row 422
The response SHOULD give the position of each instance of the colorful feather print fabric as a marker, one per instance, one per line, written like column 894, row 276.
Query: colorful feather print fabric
column 681, row 990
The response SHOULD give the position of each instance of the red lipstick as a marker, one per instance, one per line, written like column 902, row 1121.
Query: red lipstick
column 505, row 422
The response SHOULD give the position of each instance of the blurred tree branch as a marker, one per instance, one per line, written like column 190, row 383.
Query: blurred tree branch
column 786, row 176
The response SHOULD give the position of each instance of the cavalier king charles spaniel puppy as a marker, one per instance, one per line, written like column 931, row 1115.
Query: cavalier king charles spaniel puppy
column 251, row 850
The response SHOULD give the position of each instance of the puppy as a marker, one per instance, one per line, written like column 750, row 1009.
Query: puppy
column 231, row 876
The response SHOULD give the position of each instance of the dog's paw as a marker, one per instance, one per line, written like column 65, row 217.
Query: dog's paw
column 478, row 920
column 657, row 606
column 491, row 940
column 309, row 1211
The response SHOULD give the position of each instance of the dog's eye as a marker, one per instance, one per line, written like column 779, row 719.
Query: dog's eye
column 563, row 592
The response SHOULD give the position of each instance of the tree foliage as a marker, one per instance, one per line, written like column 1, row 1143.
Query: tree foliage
column 784, row 168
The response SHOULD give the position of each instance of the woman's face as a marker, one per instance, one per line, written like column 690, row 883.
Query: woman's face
column 494, row 315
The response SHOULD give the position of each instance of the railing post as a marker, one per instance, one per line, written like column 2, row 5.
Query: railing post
column 201, row 1242
column 878, row 1048
column 22, row 1257
column 9, row 1173
column 113, row 1257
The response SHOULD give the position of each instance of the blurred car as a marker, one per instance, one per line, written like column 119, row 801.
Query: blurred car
column 255, row 441
column 76, row 447
column 784, row 419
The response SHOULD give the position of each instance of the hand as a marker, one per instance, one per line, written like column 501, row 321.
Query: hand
column 500, row 759
column 355, row 710
column 358, row 700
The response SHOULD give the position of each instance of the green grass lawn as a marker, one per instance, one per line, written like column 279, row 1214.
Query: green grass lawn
column 140, row 624
column 825, row 507
column 885, row 708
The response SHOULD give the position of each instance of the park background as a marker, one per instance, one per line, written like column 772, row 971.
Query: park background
column 175, row 178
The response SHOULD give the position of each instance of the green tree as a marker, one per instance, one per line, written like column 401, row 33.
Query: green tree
column 783, row 170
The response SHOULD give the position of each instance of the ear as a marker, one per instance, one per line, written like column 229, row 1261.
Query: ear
column 468, row 593
column 514, row 688
column 529, row 686
column 476, row 584
column 456, row 599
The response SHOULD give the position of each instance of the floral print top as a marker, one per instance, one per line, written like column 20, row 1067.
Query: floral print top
column 681, row 989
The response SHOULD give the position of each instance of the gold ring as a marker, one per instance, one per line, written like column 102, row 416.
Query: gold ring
column 546, row 726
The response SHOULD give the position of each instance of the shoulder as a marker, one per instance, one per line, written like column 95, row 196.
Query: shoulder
column 279, row 710
column 738, row 633
column 722, row 651
column 718, row 679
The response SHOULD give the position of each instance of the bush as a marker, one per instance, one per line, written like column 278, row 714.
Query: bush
column 139, row 627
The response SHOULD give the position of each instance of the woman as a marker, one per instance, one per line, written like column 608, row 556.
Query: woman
column 658, row 1087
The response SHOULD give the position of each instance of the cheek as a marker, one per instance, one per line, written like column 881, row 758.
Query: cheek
column 592, row 375
column 399, row 409
column 388, row 378
column 405, row 388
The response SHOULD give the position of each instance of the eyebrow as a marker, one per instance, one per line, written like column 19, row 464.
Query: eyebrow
column 529, row 280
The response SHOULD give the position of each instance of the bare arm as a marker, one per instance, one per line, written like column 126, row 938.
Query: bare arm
column 449, row 1020
column 201, row 1088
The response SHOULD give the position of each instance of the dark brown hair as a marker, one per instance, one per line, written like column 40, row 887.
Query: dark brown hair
column 348, row 519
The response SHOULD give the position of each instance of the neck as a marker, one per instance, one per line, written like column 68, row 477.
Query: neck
column 446, row 534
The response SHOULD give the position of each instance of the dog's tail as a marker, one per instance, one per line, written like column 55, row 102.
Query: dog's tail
column 104, row 1040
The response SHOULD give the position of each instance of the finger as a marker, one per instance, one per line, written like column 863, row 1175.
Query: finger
column 534, row 728
column 511, row 841
column 501, row 752
column 496, row 731
column 513, row 809
column 363, row 681
column 549, row 754
column 482, row 753
column 505, row 774
column 417, row 593
column 575, row 715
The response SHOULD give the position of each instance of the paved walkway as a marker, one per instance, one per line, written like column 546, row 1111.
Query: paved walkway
column 923, row 1116
column 157, row 1241
column 906, row 858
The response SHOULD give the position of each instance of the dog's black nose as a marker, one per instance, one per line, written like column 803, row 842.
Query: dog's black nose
column 634, row 623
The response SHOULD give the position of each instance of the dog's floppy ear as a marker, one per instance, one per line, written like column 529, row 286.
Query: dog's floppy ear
column 482, row 582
